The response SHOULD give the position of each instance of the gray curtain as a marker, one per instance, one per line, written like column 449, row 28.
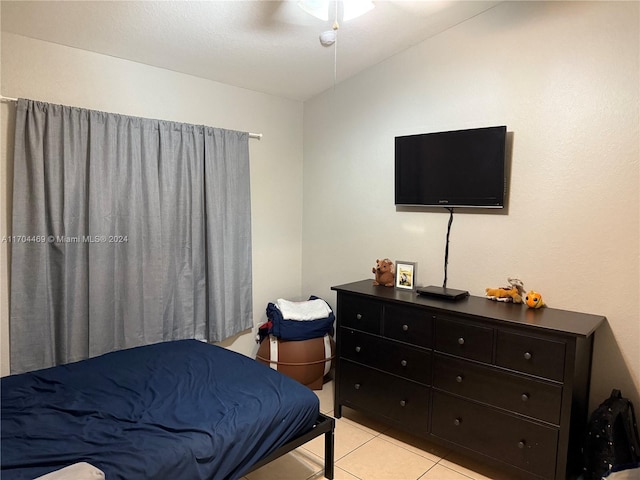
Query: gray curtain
column 127, row 231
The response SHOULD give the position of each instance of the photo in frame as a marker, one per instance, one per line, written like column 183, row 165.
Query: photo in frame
column 406, row 275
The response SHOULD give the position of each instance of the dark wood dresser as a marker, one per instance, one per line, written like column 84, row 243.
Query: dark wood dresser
column 498, row 381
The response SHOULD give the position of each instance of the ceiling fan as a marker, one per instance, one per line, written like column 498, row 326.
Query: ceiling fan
column 350, row 8
column 347, row 9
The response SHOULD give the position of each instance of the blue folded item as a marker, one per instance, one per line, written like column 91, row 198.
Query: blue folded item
column 287, row 329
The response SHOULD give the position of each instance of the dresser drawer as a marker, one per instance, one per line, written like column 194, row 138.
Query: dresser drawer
column 399, row 400
column 527, row 396
column 518, row 442
column 465, row 340
column 536, row 356
column 360, row 347
column 360, row 313
column 409, row 325
column 391, row 356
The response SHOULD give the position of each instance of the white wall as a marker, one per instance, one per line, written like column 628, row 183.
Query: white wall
column 57, row 74
column 564, row 78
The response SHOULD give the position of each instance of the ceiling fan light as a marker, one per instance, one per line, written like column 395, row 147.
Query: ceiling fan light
column 317, row 8
column 328, row 38
column 355, row 8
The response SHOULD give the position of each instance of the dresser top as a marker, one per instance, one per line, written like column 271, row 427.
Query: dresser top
column 563, row 321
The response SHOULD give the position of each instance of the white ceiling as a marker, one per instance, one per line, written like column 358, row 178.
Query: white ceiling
column 266, row 46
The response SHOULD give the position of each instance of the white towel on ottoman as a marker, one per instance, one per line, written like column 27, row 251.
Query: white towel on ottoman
column 307, row 310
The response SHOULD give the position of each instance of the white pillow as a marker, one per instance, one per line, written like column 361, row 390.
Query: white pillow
column 77, row 471
column 627, row 474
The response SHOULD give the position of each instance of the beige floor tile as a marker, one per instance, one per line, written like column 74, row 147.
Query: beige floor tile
column 473, row 468
column 440, row 472
column 326, row 397
column 363, row 421
column 347, row 438
column 338, row 474
column 297, row 465
column 415, row 444
column 379, row 459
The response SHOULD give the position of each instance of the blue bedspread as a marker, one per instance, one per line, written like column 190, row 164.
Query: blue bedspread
column 175, row 410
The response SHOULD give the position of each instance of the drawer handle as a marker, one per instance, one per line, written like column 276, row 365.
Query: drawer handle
column 358, row 349
column 358, row 316
column 527, row 356
column 522, row 444
column 459, row 379
column 457, row 422
column 405, row 328
column 357, row 386
column 461, row 341
column 403, row 403
column 403, row 363
column 524, row 397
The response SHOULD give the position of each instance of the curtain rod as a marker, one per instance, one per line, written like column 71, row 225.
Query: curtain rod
column 10, row 99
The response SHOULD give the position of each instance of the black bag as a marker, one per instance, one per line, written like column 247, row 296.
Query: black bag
column 611, row 438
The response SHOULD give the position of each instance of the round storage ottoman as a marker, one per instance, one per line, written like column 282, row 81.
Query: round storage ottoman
column 306, row 361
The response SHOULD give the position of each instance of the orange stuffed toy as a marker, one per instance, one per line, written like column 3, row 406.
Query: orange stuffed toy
column 534, row 300
column 504, row 294
column 512, row 293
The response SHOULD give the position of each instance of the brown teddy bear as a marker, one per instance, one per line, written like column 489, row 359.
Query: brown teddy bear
column 385, row 273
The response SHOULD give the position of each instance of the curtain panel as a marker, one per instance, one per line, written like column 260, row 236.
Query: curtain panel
column 126, row 231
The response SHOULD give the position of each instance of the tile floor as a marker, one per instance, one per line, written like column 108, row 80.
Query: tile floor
column 368, row 450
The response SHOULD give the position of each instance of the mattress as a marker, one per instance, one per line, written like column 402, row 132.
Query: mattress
column 174, row 410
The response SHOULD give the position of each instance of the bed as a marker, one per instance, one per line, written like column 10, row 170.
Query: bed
column 182, row 409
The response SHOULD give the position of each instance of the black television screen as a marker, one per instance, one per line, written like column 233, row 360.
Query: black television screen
column 461, row 168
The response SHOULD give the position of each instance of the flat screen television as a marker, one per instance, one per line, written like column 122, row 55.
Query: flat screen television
column 460, row 168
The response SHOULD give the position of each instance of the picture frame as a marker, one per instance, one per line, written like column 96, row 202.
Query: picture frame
column 406, row 275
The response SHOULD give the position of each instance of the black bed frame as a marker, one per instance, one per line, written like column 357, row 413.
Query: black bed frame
column 323, row 425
